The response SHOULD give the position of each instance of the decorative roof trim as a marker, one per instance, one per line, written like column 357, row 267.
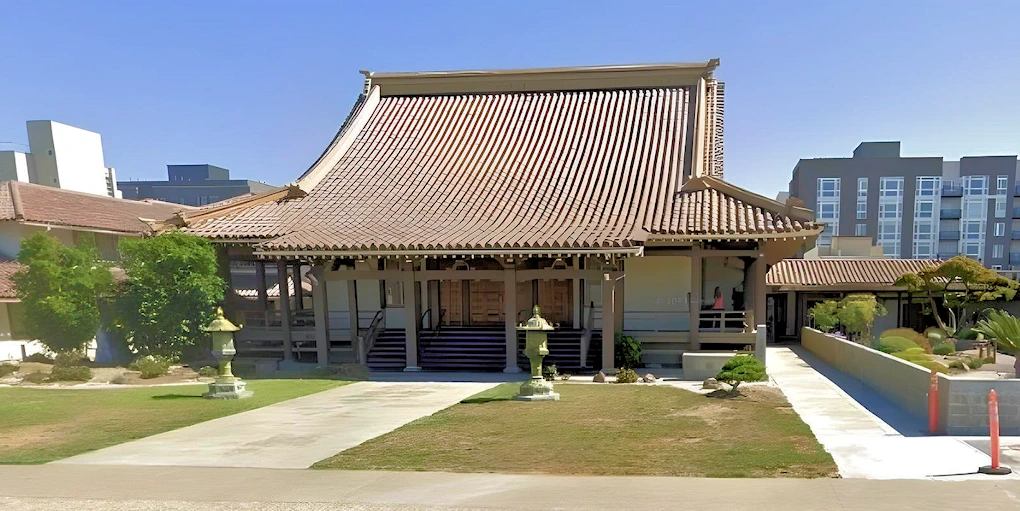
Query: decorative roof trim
column 542, row 79
column 341, row 143
column 186, row 218
column 19, row 209
column 633, row 251
column 708, row 182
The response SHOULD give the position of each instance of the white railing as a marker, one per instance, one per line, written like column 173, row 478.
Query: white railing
column 721, row 321
column 367, row 342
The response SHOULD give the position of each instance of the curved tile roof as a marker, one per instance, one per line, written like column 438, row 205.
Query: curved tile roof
column 844, row 271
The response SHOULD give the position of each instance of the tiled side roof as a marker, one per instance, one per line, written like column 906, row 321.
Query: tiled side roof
column 535, row 170
column 7, row 270
column 844, row 271
column 274, row 290
column 55, row 206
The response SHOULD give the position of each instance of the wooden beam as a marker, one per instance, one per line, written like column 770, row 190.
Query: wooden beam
column 410, row 322
column 352, row 314
column 608, row 328
column 288, row 341
column 320, row 309
column 695, row 305
column 510, row 320
column 260, row 285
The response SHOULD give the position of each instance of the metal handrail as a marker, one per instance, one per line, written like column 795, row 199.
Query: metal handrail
column 367, row 342
column 589, row 325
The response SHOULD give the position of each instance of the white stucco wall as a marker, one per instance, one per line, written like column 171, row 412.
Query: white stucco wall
column 67, row 157
column 14, row 166
column 656, row 293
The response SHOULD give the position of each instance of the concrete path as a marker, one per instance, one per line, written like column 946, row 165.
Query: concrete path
column 80, row 487
column 850, row 428
column 290, row 434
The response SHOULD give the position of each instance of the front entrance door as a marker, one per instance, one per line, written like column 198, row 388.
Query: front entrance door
column 471, row 302
column 554, row 297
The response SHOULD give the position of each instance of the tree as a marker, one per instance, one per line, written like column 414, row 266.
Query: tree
column 961, row 283
column 857, row 313
column 172, row 291
column 824, row 315
column 739, row 369
column 1003, row 328
column 61, row 288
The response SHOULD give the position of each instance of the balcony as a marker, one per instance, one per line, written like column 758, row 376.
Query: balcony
column 949, row 235
column 952, row 189
column 1014, row 258
column 951, row 214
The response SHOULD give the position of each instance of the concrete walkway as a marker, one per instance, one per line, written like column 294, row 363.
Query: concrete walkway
column 79, row 487
column 850, row 428
column 290, row 434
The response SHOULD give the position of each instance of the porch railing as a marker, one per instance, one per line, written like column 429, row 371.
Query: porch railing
column 367, row 342
column 721, row 321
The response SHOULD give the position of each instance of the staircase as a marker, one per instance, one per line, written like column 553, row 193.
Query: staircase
column 564, row 351
column 389, row 352
column 463, row 349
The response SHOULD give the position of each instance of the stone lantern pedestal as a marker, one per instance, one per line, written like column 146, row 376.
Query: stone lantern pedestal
column 226, row 385
column 536, row 348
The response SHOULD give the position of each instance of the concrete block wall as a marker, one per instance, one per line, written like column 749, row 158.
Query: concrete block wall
column 963, row 405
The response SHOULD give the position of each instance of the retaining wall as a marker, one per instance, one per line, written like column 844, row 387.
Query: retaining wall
column 963, row 402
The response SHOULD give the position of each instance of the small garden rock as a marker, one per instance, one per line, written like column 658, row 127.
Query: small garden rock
column 649, row 378
column 600, row 377
column 710, row 383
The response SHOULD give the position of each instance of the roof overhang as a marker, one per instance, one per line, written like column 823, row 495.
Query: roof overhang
column 494, row 252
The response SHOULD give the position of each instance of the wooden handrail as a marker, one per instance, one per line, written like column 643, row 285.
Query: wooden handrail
column 367, row 342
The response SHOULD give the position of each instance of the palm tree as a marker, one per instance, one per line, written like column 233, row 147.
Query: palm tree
column 1003, row 328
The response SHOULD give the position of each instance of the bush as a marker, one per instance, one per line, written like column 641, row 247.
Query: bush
column 69, row 358
column 934, row 366
column 39, row 358
column 895, row 343
column 975, row 363
column 946, row 348
column 120, row 379
column 8, row 369
column 627, row 352
column 208, row 372
column 824, row 315
column 910, row 356
column 911, row 335
column 958, row 364
column 151, row 366
column 739, row 369
column 967, row 333
column 35, row 377
column 550, row 372
column 626, row 376
column 70, row 373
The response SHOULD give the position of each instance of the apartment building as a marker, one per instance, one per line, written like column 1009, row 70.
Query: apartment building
column 917, row 207
column 193, row 185
column 61, row 156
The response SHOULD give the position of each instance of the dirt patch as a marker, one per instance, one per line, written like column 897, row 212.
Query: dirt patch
column 713, row 414
column 28, row 437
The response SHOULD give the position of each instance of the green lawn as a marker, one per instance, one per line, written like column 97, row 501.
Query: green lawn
column 606, row 430
column 41, row 425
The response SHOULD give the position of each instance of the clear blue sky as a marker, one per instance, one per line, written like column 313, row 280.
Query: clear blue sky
column 261, row 87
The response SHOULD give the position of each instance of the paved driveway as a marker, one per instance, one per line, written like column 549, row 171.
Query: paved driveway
column 291, row 434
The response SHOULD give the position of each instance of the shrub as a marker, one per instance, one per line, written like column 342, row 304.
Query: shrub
column 936, row 335
column 151, row 366
column 895, row 343
column 39, row 358
column 120, row 379
column 550, row 372
column 626, row 376
column 627, row 351
column 208, row 372
column 946, row 348
column 857, row 313
column 911, row 356
column 35, row 377
column 911, row 335
column 70, row 373
column 958, row 364
column 824, row 315
column 967, row 333
column 933, row 366
column 739, row 369
column 8, row 369
column 69, row 358
column 975, row 363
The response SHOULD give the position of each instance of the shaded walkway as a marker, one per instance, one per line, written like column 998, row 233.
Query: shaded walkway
column 867, row 435
column 291, row 434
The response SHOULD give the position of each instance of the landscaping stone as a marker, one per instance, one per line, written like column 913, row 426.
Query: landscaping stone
column 599, row 378
column 710, row 384
column 649, row 378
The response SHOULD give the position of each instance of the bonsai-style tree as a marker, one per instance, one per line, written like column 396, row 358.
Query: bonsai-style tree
column 1004, row 329
column 857, row 313
column 739, row 369
column 824, row 315
column 961, row 283
column 173, row 289
column 61, row 288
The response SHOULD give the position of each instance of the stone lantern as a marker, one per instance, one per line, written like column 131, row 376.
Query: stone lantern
column 536, row 389
column 226, row 386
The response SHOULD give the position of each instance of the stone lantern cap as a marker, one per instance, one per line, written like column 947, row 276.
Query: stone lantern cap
column 537, row 322
column 221, row 323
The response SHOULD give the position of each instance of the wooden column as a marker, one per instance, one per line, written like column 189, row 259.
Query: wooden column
column 320, row 308
column 260, row 285
column 760, row 289
column 618, row 306
column 608, row 326
column 352, row 314
column 411, row 320
column 299, row 295
column 576, row 294
column 288, row 342
column 695, row 305
column 510, row 311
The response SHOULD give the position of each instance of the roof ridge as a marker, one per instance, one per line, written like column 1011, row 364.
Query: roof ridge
column 707, row 182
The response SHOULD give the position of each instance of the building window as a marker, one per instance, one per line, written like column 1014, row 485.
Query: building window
column 890, row 215
column 998, row 251
column 1000, row 229
column 928, row 186
column 974, row 220
column 862, row 198
column 926, row 222
column 861, row 230
column 996, row 267
column 1001, row 182
column 828, row 208
column 891, row 187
